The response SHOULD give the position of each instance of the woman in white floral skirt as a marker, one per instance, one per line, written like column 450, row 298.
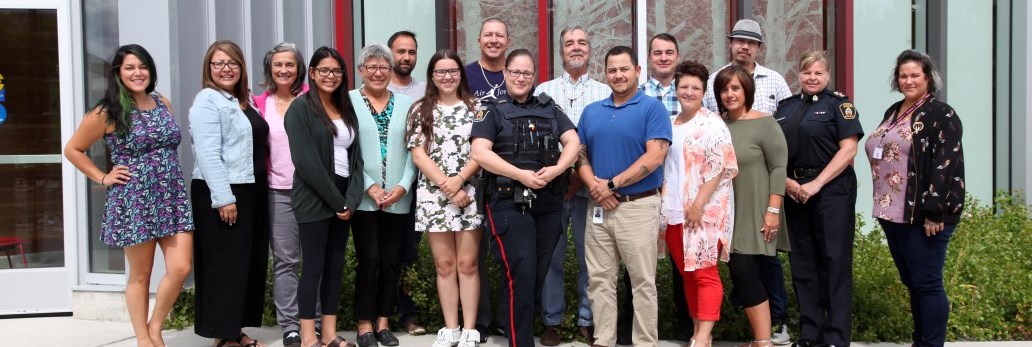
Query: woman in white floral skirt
column 438, row 132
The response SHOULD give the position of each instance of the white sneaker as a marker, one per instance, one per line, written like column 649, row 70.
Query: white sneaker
column 469, row 338
column 447, row 337
column 780, row 335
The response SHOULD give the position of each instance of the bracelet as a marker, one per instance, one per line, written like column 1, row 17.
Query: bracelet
column 102, row 179
column 460, row 177
column 773, row 210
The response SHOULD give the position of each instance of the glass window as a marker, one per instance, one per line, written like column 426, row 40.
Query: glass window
column 520, row 17
column 790, row 28
column 31, row 205
column 100, row 23
column 609, row 23
column 700, row 26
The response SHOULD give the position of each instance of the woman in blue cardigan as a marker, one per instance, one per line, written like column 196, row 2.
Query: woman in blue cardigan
column 388, row 173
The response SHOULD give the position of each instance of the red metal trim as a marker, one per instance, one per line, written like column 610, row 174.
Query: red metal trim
column 544, row 32
column 844, row 46
column 344, row 40
column 453, row 20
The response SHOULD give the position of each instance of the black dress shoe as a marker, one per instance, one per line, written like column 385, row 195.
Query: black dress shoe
column 484, row 332
column 804, row 343
column 386, row 337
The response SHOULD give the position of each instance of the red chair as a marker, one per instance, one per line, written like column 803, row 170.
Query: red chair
column 9, row 243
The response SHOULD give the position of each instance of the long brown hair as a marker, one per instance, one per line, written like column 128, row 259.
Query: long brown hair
column 423, row 114
column 240, row 90
column 339, row 97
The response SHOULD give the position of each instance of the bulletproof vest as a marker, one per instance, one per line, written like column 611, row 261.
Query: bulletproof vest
column 531, row 140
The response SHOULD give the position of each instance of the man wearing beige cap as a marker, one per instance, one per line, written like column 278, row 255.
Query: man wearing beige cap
column 745, row 42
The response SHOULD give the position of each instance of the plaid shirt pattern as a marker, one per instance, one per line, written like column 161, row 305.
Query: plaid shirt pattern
column 572, row 97
column 668, row 95
column 771, row 88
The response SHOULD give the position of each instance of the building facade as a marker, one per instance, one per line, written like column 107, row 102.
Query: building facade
column 54, row 55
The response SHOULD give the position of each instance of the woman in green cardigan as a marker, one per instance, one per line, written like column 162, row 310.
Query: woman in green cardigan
column 321, row 128
column 388, row 174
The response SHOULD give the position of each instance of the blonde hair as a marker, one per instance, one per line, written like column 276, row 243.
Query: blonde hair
column 240, row 90
column 812, row 57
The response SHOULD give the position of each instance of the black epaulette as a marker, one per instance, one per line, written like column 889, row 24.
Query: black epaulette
column 544, row 99
column 789, row 98
column 837, row 94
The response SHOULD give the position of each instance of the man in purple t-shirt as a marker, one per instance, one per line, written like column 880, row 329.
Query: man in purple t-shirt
column 486, row 76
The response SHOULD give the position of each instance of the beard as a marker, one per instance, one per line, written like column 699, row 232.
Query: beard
column 403, row 72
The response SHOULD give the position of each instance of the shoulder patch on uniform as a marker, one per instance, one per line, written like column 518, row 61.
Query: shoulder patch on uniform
column 848, row 110
column 480, row 114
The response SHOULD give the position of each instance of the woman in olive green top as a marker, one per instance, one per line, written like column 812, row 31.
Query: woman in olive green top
column 758, row 189
column 321, row 129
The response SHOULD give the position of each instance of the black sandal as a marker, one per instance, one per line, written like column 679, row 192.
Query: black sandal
column 340, row 342
column 254, row 343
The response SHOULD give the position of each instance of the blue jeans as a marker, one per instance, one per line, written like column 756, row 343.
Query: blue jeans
column 773, row 278
column 920, row 260
column 553, row 301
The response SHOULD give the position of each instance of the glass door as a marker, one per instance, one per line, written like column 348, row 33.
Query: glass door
column 35, row 121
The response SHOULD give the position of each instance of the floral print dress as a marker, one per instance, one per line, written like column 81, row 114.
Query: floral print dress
column 889, row 174
column 706, row 154
column 153, row 204
column 450, row 150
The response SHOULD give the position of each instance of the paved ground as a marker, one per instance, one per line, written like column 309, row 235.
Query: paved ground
column 67, row 331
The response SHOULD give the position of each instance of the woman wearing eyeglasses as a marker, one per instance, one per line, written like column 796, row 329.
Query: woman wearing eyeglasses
column 229, row 193
column 388, row 172
column 516, row 140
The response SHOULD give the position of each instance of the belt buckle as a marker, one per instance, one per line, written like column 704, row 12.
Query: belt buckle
column 795, row 174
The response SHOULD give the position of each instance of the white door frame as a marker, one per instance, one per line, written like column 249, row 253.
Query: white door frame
column 49, row 290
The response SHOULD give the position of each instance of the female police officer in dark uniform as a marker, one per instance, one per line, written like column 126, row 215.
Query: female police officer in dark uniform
column 822, row 131
column 516, row 139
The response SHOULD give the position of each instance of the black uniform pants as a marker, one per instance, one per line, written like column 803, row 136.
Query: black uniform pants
column 230, row 261
column 821, row 233
column 523, row 239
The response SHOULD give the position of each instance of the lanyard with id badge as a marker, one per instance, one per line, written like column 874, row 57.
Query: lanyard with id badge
column 899, row 119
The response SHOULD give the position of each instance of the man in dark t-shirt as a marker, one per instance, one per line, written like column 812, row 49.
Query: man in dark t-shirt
column 486, row 76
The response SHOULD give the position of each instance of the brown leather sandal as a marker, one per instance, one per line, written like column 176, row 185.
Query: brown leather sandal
column 254, row 343
column 340, row 342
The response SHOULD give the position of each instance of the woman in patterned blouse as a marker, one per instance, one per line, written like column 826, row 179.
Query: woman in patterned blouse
column 917, row 166
column 438, row 137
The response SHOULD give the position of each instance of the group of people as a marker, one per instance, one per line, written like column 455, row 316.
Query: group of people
column 486, row 163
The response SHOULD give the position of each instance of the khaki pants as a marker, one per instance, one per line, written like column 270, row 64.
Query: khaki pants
column 628, row 233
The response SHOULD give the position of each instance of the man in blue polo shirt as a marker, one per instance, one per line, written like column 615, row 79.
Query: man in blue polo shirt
column 624, row 139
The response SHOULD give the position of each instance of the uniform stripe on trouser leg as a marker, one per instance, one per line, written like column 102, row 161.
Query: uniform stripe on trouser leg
column 508, row 276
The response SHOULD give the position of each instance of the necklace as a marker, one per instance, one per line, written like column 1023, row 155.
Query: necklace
column 569, row 95
column 493, row 86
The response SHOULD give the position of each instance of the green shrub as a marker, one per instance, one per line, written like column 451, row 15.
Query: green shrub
column 987, row 277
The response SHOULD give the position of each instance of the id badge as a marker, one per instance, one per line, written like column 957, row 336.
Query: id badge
column 596, row 215
column 877, row 153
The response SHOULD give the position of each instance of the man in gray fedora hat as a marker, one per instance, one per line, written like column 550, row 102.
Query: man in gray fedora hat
column 745, row 42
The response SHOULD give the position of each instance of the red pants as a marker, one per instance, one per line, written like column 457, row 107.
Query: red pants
column 702, row 287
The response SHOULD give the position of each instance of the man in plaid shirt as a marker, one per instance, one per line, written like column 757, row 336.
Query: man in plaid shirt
column 663, row 55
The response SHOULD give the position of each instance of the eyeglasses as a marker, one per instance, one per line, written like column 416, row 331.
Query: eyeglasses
column 375, row 68
column 326, row 72
column 449, row 72
column 219, row 65
column 516, row 74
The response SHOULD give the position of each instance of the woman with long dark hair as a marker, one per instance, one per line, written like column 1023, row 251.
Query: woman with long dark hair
column 229, row 192
column 322, row 127
column 146, row 204
column 438, row 137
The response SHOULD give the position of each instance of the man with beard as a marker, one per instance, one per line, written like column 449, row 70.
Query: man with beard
column 403, row 45
column 745, row 42
column 624, row 139
column 572, row 91
column 485, row 76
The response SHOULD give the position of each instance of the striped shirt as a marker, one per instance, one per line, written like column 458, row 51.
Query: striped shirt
column 771, row 88
column 666, row 95
column 571, row 96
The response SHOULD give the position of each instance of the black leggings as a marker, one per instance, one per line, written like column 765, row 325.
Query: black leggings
column 747, row 285
column 323, row 244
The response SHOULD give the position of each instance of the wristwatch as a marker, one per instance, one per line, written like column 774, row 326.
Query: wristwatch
column 611, row 185
column 773, row 210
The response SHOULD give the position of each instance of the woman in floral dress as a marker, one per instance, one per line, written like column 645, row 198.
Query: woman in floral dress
column 698, row 205
column 438, row 137
column 146, row 202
